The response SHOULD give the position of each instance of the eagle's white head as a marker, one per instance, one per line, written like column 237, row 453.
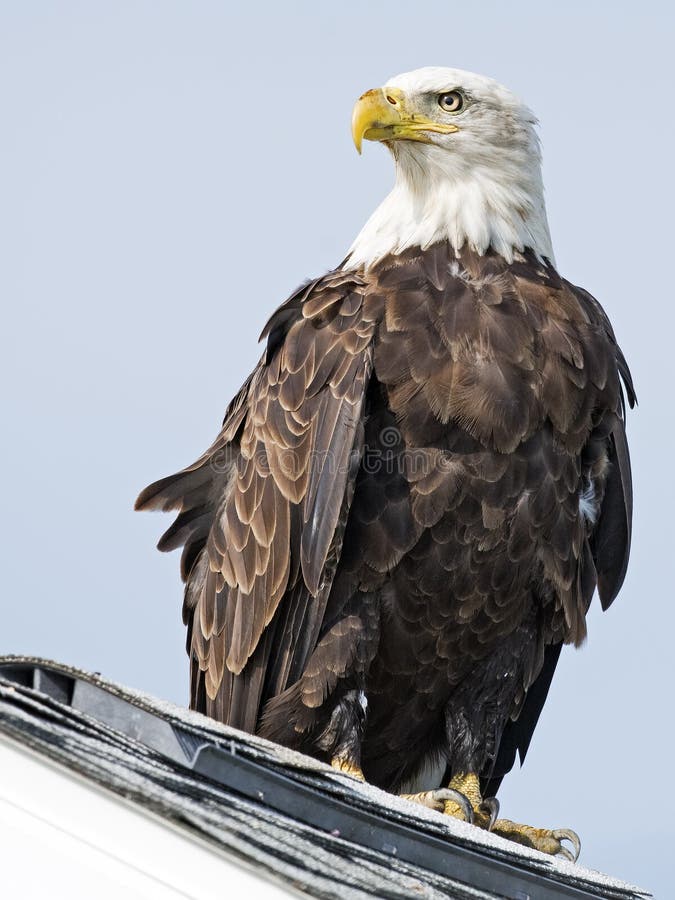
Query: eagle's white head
column 468, row 166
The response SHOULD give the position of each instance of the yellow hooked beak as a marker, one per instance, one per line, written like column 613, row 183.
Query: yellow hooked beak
column 382, row 115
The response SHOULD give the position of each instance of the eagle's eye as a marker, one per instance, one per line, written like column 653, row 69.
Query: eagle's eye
column 452, row 101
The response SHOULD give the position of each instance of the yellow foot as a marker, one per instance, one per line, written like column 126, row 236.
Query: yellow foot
column 462, row 799
column 347, row 767
column 485, row 812
column 543, row 839
column 445, row 800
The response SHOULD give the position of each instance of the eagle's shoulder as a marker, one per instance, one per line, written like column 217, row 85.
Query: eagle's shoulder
column 597, row 315
column 336, row 299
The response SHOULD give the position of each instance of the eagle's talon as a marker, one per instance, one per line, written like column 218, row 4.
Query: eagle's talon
column 457, row 798
column 566, row 834
column 490, row 807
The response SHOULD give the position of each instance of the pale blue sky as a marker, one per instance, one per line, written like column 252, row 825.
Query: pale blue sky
column 169, row 172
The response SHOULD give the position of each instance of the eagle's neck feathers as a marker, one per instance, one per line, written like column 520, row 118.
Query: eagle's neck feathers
column 438, row 196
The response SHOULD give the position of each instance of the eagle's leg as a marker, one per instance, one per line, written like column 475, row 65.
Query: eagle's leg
column 348, row 766
column 341, row 738
column 462, row 799
column 485, row 811
column 485, row 816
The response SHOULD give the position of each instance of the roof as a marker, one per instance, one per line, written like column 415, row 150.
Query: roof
column 259, row 806
column 65, row 838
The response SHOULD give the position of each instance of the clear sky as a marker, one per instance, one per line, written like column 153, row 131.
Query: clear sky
column 169, row 172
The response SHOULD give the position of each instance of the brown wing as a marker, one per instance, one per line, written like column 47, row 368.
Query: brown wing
column 262, row 512
column 609, row 543
column 611, row 537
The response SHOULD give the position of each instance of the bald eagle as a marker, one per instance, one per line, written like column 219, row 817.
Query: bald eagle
column 415, row 494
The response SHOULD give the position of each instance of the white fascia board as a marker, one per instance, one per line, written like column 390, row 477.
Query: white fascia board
column 62, row 836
